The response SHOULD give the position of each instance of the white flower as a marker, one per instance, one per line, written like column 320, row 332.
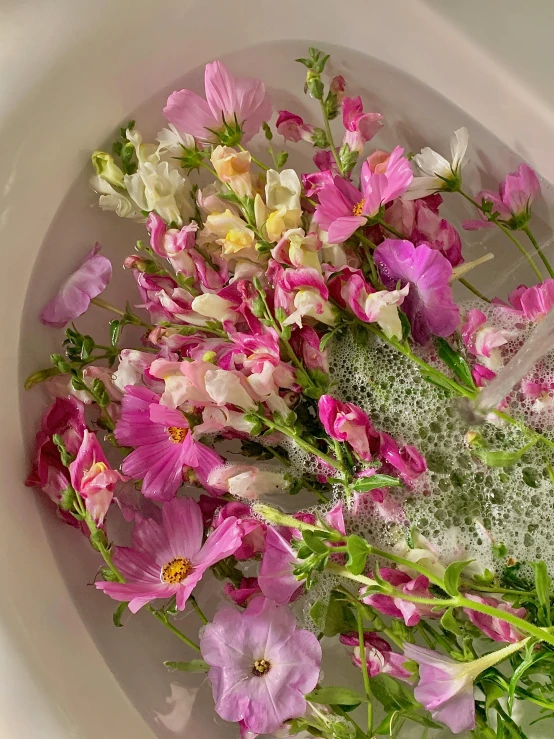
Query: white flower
column 112, row 200
column 382, row 307
column 161, row 188
column 234, row 234
column 282, row 198
column 439, row 173
column 233, row 168
column 225, row 388
column 132, row 365
column 171, row 141
column 212, row 306
column 245, row 481
column 309, row 302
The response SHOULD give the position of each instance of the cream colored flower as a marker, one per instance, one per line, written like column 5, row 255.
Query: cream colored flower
column 233, row 168
column 232, row 232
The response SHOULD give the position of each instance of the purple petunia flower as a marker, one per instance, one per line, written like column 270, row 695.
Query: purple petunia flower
column 164, row 445
column 74, row 296
column 343, row 208
column 168, row 559
column 228, row 99
column 261, row 665
column 429, row 304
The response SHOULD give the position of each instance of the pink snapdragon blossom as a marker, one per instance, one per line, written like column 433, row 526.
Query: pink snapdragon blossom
column 164, row 445
column 379, row 656
column 168, row 559
column 276, row 577
column 253, row 531
column 246, row 481
column 92, row 477
column 492, row 626
column 541, row 393
column 482, row 340
column 347, row 422
column 533, row 303
column 408, row 461
column 306, row 343
column 74, row 296
column 343, row 208
column 292, row 127
column 66, row 418
column 261, row 665
column 429, row 304
column 375, row 306
column 228, row 98
column 512, row 202
column 244, row 593
column 360, row 127
column 481, row 374
column 397, row 607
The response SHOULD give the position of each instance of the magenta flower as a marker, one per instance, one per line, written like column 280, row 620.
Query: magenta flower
column 513, row 201
column 93, row 478
column 253, row 531
column 261, row 665
column 360, row 127
column 66, row 418
column 408, row 461
column 481, row 374
column 493, row 627
column 379, row 656
column 419, row 222
column 482, row 340
column 74, row 296
column 347, row 422
column 229, row 100
column 398, row 608
column 168, row 559
column 243, row 594
column 292, row 127
column 533, row 303
column 343, row 208
column 429, row 304
column 306, row 342
column 164, row 445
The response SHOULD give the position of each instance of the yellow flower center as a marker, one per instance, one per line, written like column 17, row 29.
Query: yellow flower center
column 176, row 435
column 261, row 667
column 357, row 209
column 176, row 571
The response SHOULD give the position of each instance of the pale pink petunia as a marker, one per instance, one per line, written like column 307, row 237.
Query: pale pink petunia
column 74, row 296
column 228, row 98
column 169, row 559
column 261, row 665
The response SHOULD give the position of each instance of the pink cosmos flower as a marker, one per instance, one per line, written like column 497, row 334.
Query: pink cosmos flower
column 74, row 296
column 168, row 559
column 398, row 608
column 343, row 208
column 66, row 418
column 513, row 201
column 292, row 127
column 408, row 461
column 228, row 99
column 482, row 340
column 93, row 478
column 164, row 446
column 378, row 655
column 360, row 127
column 243, row 594
column 261, row 665
column 429, row 304
column 419, row 222
column 347, row 422
column 533, row 303
column 493, row 627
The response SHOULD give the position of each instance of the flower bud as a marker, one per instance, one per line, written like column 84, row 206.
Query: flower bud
column 107, row 169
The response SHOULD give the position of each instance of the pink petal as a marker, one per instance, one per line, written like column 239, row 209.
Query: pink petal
column 191, row 114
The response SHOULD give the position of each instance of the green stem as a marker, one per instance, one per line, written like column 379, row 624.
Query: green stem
column 260, row 164
column 108, row 306
column 392, row 230
column 198, row 610
column 526, row 230
column 507, row 231
column 162, row 618
column 306, row 446
column 473, row 289
column 367, row 687
column 330, row 137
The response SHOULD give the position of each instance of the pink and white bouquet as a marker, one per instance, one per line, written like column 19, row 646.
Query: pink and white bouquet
column 221, row 392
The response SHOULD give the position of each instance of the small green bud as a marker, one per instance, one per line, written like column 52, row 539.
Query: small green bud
column 67, row 501
column 282, row 159
column 314, row 85
column 267, row 131
column 107, row 169
column 319, row 138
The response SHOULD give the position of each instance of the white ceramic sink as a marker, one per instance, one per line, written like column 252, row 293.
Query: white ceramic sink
column 70, row 73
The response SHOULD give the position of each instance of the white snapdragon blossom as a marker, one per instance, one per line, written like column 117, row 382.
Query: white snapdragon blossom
column 225, row 388
column 309, row 303
column 246, row 481
column 212, row 306
column 234, row 235
column 171, row 141
column 438, row 172
column 382, row 307
column 112, row 200
column 282, row 203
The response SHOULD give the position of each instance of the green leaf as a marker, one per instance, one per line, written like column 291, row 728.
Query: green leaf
column 363, row 484
column 336, row 696
column 118, row 613
column 388, row 724
column 314, row 542
column 438, row 379
column 319, row 138
column 391, row 693
column 455, row 361
column 195, row 665
column 492, row 691
column 543, row 584
column 358, row 549
column 452, row 576
column 448, row 622
column 406, row 325
column 500, row 459
column 40, row 376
